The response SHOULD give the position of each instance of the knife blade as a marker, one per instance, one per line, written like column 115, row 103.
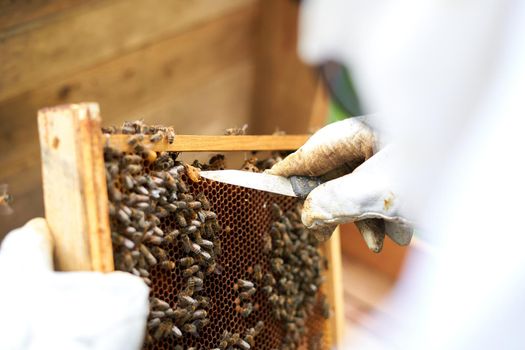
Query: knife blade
column 295, row 186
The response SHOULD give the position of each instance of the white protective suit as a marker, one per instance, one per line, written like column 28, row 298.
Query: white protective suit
column 446, row 80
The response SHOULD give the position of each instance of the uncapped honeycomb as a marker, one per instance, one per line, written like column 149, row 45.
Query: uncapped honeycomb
column 244, row 217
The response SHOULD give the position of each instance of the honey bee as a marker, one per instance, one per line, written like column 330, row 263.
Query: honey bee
column 186, row 300
column 236, row 131
column 205, row 254
column 243, row 344
column 109, row 129
column 248, row 294
column 269, row 279
column 128, row 181
column 157, row 137
column 191, row 328
column 206, row 244
column 213, row 267
column 123, row 216
column 170, row 237
column 204, row 201
column 250, row 165
column 186, row 243
column 112, row 169
column 325, row 307
column 163, row 329
column 196, row 249
column 176, row 331
column 215, row 225
column 244, row 284
column 267, row 243
column 170, row 135
column 259, row 327
column 132, row 159
column 194, row 205
column 133, row 168
column 187, row 261
column 126, row 261
column 171, row 207
column 155, row 240
column 210, row 215
column 181, row 186
column 223, row 344
column 142, row 190
column 217, row 250
column 245, row 310
column 181, row 220
column 161, row 212
column 168, row 265
column 267, row 289
column 151, row 260
column 277, row 264
column 198, row 314
column 153, row 323
column 195, row 283
column 190, row 229
column 257, row 272
column 115, row 194
column 203, row 301
column 273, row 299
column 201, row 215
column 143, row 272
column 157, row 314
column 190, row 271
column 135, row 139
column 181, row 315
column 122, row 241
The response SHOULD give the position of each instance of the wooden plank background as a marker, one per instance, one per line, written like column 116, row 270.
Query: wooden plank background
column 201, row 66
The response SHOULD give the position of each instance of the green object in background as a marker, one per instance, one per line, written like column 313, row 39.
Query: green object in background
column 335, row 113
column 344, row 102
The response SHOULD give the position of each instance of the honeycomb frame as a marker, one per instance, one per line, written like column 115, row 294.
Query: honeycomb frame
column 326, row 326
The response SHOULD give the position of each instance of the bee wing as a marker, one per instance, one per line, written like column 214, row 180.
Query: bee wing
column 5, row 209
column 3, row 189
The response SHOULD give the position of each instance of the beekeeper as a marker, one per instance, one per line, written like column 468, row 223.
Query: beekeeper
column 443, row 82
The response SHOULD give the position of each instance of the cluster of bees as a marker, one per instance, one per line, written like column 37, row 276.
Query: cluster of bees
column 147, row 188
column 234, row 340
column 139, row 201
column 296, row 274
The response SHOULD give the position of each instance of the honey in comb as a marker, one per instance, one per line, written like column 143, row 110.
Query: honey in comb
column 248, row 217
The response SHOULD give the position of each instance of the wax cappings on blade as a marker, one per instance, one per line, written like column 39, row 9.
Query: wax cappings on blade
column 258, row 181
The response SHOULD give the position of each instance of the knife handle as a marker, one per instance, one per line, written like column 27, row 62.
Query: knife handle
column 303, row 185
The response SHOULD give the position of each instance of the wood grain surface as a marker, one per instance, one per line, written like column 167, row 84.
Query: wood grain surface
column 199, row 80
column 75, row 194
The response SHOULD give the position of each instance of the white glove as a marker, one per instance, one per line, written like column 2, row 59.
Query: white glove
column 366, row 196
column 43, row 309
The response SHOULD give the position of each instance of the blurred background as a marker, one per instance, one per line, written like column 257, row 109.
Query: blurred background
column 201, row 66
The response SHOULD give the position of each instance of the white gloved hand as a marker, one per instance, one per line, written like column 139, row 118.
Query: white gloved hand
column 43, row 309
column 366, row 196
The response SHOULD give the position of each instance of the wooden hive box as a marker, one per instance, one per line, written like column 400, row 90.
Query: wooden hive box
column 77, row 204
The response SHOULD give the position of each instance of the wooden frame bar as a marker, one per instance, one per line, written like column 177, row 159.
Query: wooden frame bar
column 213, row 143
column 74, row 182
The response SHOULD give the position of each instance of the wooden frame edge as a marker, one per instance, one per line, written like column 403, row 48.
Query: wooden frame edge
column 74, row 183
